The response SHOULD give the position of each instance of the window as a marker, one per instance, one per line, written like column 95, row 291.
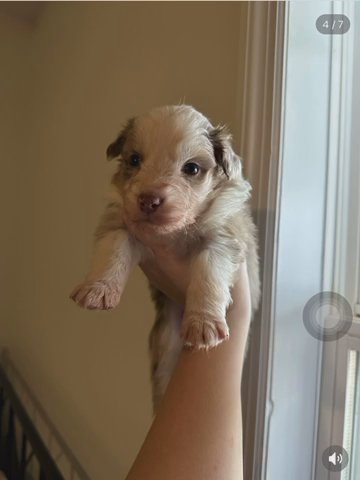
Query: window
column 313, row 392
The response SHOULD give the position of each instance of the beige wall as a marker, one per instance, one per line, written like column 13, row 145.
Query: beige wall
column 87, row 67
column 13, row 34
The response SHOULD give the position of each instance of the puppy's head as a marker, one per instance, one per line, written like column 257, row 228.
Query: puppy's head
column 171, row 163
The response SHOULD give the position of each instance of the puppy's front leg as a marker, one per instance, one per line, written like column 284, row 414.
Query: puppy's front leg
column 208, row 296
column 115, row 254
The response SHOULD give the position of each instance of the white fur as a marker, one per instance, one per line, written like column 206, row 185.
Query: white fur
column 204, row 219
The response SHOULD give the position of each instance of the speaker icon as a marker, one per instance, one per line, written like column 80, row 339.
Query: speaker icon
column 335, row 458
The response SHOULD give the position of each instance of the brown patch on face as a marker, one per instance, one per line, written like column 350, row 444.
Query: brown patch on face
column 221, row 142
column 126, row 170
column 115, row 149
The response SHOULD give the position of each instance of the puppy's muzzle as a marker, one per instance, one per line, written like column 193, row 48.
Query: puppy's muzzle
column 149, row 202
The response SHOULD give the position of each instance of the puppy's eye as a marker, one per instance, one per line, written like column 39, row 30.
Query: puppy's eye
column 191, row 168
column 134, row 160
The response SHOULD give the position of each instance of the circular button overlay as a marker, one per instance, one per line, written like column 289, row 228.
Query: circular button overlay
column 335, row 458
column 316, row 323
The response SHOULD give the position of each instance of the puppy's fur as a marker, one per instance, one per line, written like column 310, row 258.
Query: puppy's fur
column 198, row 211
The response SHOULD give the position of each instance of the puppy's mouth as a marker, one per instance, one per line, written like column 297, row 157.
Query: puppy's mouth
column 161, row 220
column 157, row 222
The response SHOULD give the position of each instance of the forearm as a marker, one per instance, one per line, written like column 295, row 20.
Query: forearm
column 115, row 254
column 197, row 433
column 115, row 251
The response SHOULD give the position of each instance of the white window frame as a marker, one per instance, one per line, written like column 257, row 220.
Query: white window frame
column 342, row 247
column 306, row 464
column 261, row 115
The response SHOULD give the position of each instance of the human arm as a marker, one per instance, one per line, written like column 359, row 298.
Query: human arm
column 197, row 433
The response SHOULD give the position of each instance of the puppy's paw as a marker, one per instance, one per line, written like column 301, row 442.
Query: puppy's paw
column 203, row 332
column 96, row 295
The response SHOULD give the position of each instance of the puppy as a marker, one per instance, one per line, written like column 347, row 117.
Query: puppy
column 178, row 187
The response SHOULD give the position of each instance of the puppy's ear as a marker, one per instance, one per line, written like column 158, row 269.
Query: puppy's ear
column 225, row 157
column 115, row 149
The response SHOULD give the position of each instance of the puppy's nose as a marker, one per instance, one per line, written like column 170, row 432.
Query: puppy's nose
column 149, row 202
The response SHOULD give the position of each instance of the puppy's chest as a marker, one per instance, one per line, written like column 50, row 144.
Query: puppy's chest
column 164, row 258
column 168, row 270
column 182, row 248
